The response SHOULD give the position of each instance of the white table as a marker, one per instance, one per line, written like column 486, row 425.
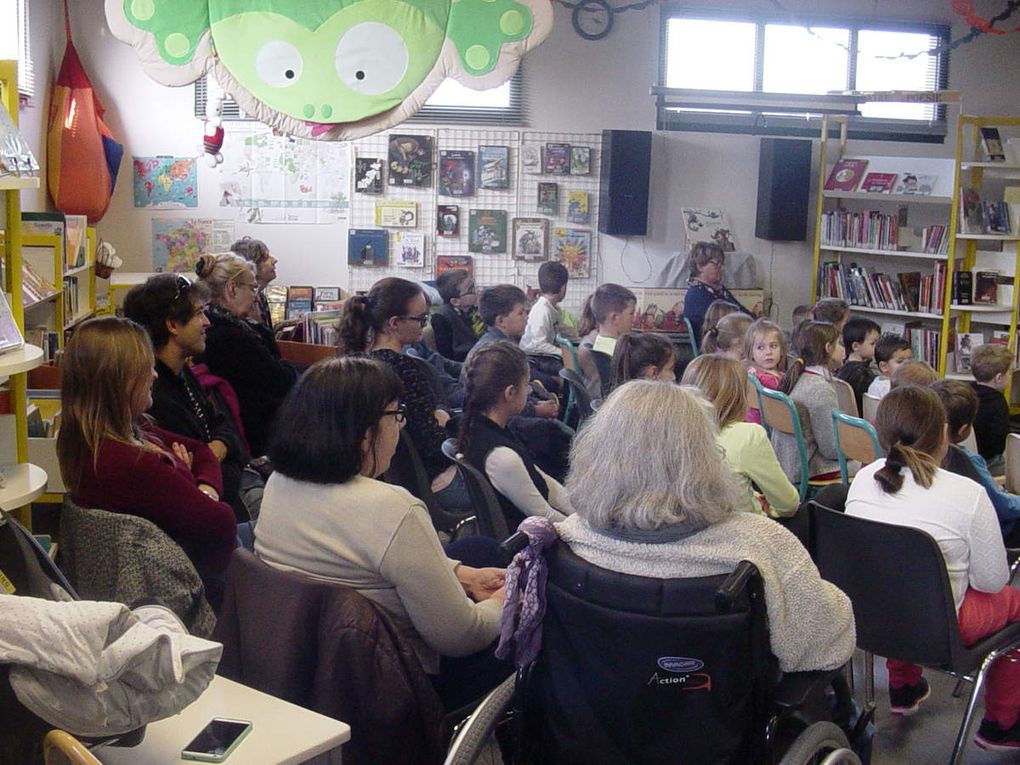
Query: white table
column 282, row 733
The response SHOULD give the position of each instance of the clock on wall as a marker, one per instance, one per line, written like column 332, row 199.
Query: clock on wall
column 592, row 19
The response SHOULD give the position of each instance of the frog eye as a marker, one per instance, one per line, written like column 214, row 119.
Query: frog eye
column 371, row 58
column 279, row 64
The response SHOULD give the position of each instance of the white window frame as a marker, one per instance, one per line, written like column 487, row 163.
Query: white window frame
column 16, row 13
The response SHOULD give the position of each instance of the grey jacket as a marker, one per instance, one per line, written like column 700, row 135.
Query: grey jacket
column 815, row 399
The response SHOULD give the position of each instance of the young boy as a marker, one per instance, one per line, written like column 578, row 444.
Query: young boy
column 835, row 311
column 991, row 366
column 504, row 309
column 859, row 338
column 913, row 372
column 613, row 307
column 891, row 350
column 544, row 319
column 453, row 322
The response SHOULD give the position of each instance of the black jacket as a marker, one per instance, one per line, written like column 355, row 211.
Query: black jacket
column 991, row 425
column 453, row 332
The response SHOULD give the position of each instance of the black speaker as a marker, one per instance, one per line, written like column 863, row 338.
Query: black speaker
column 623, row 188
column 784, row 182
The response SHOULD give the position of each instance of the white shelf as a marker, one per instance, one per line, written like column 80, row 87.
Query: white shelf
column 40, row 301
column 8, row 184
column 1009, row 167
column 24, row 482
column 929, row 199
column 981, row 308
column 77, row 270
column 889, row 253
column 960, row 376
column 991, row 237
column 20, row 360
column 79, row 319
column 891, row 312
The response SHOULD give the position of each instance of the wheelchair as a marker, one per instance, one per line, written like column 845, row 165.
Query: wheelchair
column 641, row 670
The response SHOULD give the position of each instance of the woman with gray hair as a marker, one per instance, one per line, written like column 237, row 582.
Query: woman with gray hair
column 256, row 251
column 673, row 513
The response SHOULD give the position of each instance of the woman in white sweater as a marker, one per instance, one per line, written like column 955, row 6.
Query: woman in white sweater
column 908, row 488
column 325, row 514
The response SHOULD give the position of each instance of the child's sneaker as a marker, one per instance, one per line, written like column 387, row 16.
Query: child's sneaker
column 903, row 702
column 991, row 736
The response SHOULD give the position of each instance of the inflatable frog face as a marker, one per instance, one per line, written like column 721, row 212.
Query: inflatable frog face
column 332, row 69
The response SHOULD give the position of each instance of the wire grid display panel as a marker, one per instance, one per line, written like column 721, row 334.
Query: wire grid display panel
column 520, row 200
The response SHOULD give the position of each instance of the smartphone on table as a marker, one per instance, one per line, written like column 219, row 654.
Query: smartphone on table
column 217, row 740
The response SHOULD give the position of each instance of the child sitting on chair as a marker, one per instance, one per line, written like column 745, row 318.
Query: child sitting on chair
column 859, row 338
column 991, row 366
column 891, row 350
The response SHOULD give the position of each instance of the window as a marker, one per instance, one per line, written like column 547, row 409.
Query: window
column 15, row 42
column 761, row 55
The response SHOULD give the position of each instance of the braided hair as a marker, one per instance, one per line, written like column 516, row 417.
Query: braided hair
column 488, row 371
column 911, row 423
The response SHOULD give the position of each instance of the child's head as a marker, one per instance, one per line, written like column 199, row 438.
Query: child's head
column 724, row 382
column 913, row 372
column 859, row 338
column 613, row 308
column 727, row 336
column 552, row 280
column 833, row 310
column 765, row 346
column 505, row 307
column 961, row 403
column 911, row 427
column 715, row 311
column 456, row 288
column 495, row 376
column 801, row 314
column 990, row 364
column 817, row 343
column 643, row 355
column 891, row 350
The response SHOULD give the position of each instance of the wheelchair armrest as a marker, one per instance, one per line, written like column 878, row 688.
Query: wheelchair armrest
column 794, row 688
column 735, row 584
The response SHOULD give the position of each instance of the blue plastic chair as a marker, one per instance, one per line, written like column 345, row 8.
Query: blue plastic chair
column 779, row 413
column 856, row 439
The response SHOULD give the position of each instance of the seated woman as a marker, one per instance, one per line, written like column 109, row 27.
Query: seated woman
column 113, row 459
column 706, row 284
column 908, row 488
column 242, row 352
column 496, row 389
column 325, row 514
column 677, row 516
column 257, row 252
column 644, row 356
column 391, row 316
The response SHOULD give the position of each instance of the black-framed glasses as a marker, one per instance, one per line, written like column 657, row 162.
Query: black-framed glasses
column 399, row 414
column 422, row 320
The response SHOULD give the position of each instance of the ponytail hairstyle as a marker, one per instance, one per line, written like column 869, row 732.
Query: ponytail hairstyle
column 588, row 323
column 488, row 371
column 911, row 424
column 731, row 328
column 716, row 310
column 764, row 327
column 637, row 351
column 363, row 317
column 810, row 347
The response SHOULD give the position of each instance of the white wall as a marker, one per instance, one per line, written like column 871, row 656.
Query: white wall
column 574, row 85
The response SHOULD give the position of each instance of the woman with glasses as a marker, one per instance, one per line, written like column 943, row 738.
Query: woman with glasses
column 392, row 315
column 256, row 251
column 325, row 514
column 708, row 262
column 240, row 351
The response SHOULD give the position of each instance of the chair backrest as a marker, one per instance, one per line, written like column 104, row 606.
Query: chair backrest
column 491, row 521
column 331, row 650
column 856, row 439
column 845, row 396
column 779, row 413
column 672, row 665
column 406, row 469
column 61, row 748
column 579, row 398
column 691, row 337
column 910, row 617
column 604, row 363
column 754, row 387
column 870, row 405
column 1012, row 463
column 124, row 558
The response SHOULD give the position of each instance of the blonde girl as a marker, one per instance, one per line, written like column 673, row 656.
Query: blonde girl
column 765, row 357
column 727, row 336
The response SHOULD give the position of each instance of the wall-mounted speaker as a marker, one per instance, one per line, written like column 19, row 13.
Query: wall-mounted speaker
column 623, row 190
column 784, row 182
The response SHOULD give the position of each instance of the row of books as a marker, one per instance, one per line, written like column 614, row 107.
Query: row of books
column 287, row 303
column 321, row 327
column 44, row 338
column 34, row 286
column 977, row 287
column 983, row 217
column 71, row 300
column 924, row 342
column 870, row 229
column 906, row 291
column 935, row 239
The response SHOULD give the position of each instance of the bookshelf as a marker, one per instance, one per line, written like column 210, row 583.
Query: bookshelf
column 24, row 481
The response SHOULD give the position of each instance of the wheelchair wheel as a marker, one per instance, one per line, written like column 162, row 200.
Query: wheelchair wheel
column 822, row 743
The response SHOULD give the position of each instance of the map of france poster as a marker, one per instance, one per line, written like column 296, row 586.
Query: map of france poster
column 165, row 182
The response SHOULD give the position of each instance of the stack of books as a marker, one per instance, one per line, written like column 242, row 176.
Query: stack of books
column 870, row 229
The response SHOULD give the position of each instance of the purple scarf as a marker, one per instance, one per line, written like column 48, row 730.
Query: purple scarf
column 524, row 607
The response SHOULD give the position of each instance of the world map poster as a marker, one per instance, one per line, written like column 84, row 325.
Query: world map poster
column 165, row 182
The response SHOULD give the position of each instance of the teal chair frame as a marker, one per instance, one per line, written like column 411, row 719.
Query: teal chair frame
column 692, row 337
column 781, row 405
column 571, row 399
column 853, row 422
column 758, row 388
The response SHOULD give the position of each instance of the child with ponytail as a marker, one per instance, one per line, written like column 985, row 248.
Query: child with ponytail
column 644, row 356
column 818, row 352
column 727, row 336
column 908, row 488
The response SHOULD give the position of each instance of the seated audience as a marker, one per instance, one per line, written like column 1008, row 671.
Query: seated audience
column 325, row 514
column 644, row 356
column 496, row 389
column 727, row 336
column 453, row 323
column 392, row 315
column 677, row 517
column 543, row 325
column 908, row 488
column 257, row 252
column 891, row 350
column 765, row 355
column 113, row 458
column 172, row 311
column 991, row 366
column 835, row 311
column 241, row 352
column 859, row 338
column 913, row 372
column 708, row 262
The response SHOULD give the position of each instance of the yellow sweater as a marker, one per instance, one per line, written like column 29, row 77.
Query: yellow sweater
column 752, row 459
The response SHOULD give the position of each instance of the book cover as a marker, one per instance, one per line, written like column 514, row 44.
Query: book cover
column 530, row 235
column 963, row 288
column 368, row 247
column 409, row 249
column 327, row 294
column 368, row 175
column 705, row 225
column 531, row 158
column 549, row 198
column 396, row 214
column 448, row 221
column 991, row 142
column 494, row 167
column 996, row 217
column 915, row 184
column 410, row 159
column 557, row 159
column 577, row 206
column 972, row 218
column 580, row 160
column 910, row 281
column 572, row 248
column 846, row 174
column 456, row 173
column 446, row 263
column 881, row 183
column 299, row 301
column 10, row 334
column 965, row 344
column 986, row 287
column 487, row 231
